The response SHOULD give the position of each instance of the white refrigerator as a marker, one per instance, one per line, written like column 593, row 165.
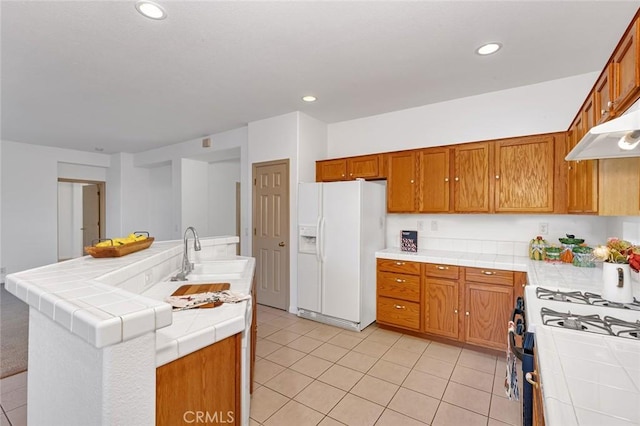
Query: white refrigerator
column 340, row 227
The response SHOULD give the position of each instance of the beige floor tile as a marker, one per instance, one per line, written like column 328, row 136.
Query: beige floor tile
column 14, row 382
column 283, row 337
column 468, row 398
column 266, row 370
column 265, row 329
column 303, row 326
column 285, row 356
column 477, row 361
column 506, row 411
column 289, row 383
column 328, row 421
column 294, row 412
column 268, row 309
column 340, row 377
column 265, row 347
column 372, row 348
column 14, row 399
column 355, row 411
column 358, row 334
column 264, row 317
column 357, row 361
column 375, row 390
column 320, row 396
column 283, row 321
column 254, row 423
column 392, row 418
column 305, row 344
column 344, row 341
column 434, row 367
column 324, row 332
column 498, row 383
column 425, row 383
column 390, row 372
column 18, row 416
column 494, row 422
column 473, row 378
column 330, row 352
column 311, row 366
column 4, row 421
column 451, row 415
column 401, row 357
column 412, row 344
column 414, row 405
column 386, row 337
column 443, row 352
column 265, row 402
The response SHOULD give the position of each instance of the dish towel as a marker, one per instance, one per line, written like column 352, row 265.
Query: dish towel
column 511, row 379
column 188, row 301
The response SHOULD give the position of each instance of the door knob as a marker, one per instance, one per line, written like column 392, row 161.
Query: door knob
column 281, row 244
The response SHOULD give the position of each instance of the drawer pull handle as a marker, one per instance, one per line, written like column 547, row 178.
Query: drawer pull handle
column 467, row 313
column 442, row 268
column 399, row 263
column 399, row 306
column 532, row 377
column 455, row 311
column 398, row 280
column 488, row 272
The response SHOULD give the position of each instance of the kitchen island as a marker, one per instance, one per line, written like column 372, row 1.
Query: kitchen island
column 100, row 331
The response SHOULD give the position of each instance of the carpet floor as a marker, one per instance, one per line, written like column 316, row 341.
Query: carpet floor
column 14, row 334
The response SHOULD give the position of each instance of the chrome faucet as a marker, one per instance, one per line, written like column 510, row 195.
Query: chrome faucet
column 187, row 266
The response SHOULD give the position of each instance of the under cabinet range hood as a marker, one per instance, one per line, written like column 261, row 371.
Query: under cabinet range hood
column 617, row 138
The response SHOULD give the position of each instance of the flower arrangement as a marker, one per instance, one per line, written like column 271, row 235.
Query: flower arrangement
column 619, row 251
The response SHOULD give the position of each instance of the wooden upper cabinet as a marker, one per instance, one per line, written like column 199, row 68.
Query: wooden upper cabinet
column 524, row 174
column 472, row 186
column 401, row 182
column 619, row 187
column 364, row 166
column 331, row 170
column 626, row 68
column 603, row 93
column 582, row 175
column 434, row 181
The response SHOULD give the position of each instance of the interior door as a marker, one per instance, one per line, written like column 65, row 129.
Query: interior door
column 271, row 232
column 90, row 214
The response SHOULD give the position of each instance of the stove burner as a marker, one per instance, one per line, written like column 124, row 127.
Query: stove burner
column 623, row 328
column 572, row 323
column 583, row 299
column 591, row 323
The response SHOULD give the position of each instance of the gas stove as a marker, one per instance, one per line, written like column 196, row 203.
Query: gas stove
column 593, row 323
column 586, row 298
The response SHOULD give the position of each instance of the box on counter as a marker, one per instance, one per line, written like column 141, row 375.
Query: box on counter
column 409, row 241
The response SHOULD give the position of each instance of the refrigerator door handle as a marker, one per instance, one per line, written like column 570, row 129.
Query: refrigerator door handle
column 321, row 240
column 318, row 238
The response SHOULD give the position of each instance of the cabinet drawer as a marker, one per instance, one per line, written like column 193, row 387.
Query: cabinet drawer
column 490, row 276
column 400, row 286
column 441, row 271
column 402, row 266
column 399, row 312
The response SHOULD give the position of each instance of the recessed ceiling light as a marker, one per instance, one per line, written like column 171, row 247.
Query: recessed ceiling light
column 151, row 10
column 309, row 98
column 488, row 49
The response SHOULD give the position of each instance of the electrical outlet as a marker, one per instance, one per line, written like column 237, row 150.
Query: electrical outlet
column 434, row 225
column 543, row 228
column 421, row 225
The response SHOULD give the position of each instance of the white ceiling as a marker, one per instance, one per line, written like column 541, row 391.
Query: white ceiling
column 87, row 74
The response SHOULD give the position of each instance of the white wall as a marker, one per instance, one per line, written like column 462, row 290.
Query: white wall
column 195, row 191
column 312, row 146
column 160, row 202
column 29, row 201
column 82, row 172
column 222, row 179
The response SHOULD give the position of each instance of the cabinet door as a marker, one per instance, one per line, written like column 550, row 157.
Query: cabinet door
column 627, row 68
column 331, row 170
column 434, row 180
column 399, row 313
column 401, row 178
column 471, row 178
column 603, row 93
column 524, row 173
column 441, row 307
column 487, row 313
column 364, row 166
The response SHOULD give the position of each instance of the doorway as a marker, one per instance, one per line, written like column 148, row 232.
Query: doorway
column 270, row 215
column 81, row 216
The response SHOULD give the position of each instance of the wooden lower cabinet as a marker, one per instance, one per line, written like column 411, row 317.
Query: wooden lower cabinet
column 487, row 312
column 204, row 384
column 441, row 307
column 398, row 312
column 398, row 293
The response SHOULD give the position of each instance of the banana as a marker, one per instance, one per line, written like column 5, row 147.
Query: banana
column 115, row 242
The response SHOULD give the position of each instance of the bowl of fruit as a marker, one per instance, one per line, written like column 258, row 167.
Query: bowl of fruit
column 116, row 247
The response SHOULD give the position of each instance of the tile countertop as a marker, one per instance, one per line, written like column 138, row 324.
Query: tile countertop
column 76, row 295
column 587, row 379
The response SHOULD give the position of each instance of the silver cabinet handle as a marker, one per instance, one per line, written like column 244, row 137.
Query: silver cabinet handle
column 455, row 311
column 446, row 179
column 350, row 174
column 603, row 111
column 467, row 313
column 456, row 179
column 399, row 263
column 399, row 306
column 497, row 176
column 398, row 280
column 610, row 104
column 411, row 180
column 488, row 272
column 442, row 268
